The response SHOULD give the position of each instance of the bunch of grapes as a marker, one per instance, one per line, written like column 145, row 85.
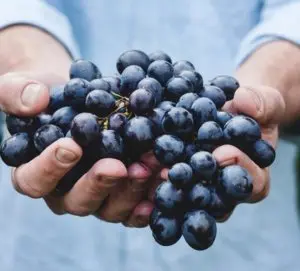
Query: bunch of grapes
column 152, row 104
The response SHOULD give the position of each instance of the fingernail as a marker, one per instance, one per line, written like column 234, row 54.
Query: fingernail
column 31, row 94
column 254, row 97
column 228, row 162
column 65, row 156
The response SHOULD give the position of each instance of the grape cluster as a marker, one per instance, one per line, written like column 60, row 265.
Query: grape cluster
column 152, row 104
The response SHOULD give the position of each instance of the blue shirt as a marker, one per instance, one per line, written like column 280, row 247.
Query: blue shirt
column 216, row 35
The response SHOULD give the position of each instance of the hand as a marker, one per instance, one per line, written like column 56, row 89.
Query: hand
column 267, row 106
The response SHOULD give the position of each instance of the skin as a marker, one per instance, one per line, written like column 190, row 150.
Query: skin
column 110, row 191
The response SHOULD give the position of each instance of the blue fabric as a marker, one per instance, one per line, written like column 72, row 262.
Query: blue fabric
column 216, row 35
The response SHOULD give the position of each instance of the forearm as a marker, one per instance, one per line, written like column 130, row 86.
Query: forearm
column 277, row 65
column 26, row 48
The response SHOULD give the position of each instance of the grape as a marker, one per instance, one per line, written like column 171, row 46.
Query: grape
column 114, row 83
column 46, row 135
column 160, row 70
column 179, row 122
column 210, row 136
column 100, row 84
column 195, row 78
column 215, row 94
column 236, row 182
column 176, row 87
column 141, row 101
column 227, row 83
column 203, row 110
column 17, row 150
column 130, row 79
column 156, row 116
column 166, row 105
column 75, row 92
column 204, row 165
column 262, row 153
column 186, row 100
column 43, row 119
column 223, row 117
column 57, row 99
column 17, row 124
column 199, row 230
column 190, row 150
column 199, row 197
column 241, row 130
column 181, row 175
column 182, row 65
column 132, row 57
column 168, row 198
column 169, row 149
column 84, row 69
column 166, row 230
column 111, row 145
column 139, row 134
column 159, row 55
column 85, row 129
column 154, row 87
column 63, row 118
column 117, row 122
column 100, row 102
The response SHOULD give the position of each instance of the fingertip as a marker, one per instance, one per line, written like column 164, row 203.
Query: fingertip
column 139, row 171
column 150, row 161
column 227, row 155
column 110, row 167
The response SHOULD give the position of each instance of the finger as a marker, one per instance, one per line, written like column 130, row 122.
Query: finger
column 262, row 103
column 22, row 96
column 149, row 160
column 139, row 218
column 41, row 175
column 122, row 201
column 229, row 155
column 90, row 191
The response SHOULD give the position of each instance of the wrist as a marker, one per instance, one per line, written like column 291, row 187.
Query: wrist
column 27, row 48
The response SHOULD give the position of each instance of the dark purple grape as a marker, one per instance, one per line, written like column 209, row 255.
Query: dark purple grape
column 159, row 55
column 186, row 100
column 176, row 87
column 85, row 129
column 204, row 165
column 166, row 105
column 195, row 78
column 141, row 101
column 154, row 87
column 132, row 57
column 17, row 124
column 111, row 145
column 169, row 150
column 199, row 230
column 114, row 83
column 181, row 175
column 160, row 70
column 46, row 135
column 216, row 94
column 117, row 122
column 223, row 117
column 182, row 65
column 190, row 150
column 43, row 119
column 17, row 150
column 203, row 110
column 130, row 79
column 75, row 92
column 156, row 116
column 210, row 136
column 236, row 182
column 63, row 118
column 241, row 131
column 166, row 230
column 169, row 199
column 100, row 84
column 199, row 197
column 227, row 83
column 57, row 99
column 84, row 69
column 179, row 122
column 100, row 103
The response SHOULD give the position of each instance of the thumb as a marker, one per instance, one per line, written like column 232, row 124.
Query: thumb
column 264, row 104
column 21, row 95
